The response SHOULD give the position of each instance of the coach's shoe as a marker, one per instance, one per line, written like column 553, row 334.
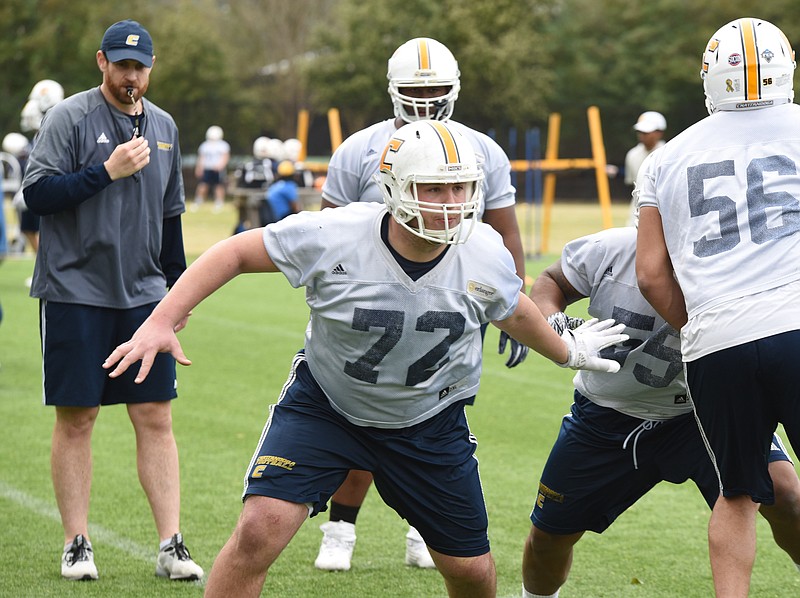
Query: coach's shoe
column 175, row 562
column 77, row 562
column 336, row 550
column 417, row 554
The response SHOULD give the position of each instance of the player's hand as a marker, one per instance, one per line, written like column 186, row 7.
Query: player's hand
column 518, row 351
column 150, row 339
column 560, row 322
column 587, row 340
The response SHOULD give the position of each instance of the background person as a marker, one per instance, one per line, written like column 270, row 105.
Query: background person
column 649, row 127
column 281, row 198
column 105, row 176
column 424, row 82
column 718, row 243
column 376, row 388
column 212, row 161
column 626, row 432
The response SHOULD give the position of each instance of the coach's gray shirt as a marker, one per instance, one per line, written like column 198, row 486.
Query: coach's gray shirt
column 105, row 251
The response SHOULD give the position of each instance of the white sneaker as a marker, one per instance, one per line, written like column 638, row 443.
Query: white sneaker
column 417, row 554
column 336, row 550
column 175, row 562
column 77, row 562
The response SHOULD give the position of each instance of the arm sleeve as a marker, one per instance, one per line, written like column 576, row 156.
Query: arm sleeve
column 172, row 257
column 56, row 193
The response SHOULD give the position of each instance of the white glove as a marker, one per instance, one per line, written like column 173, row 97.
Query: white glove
column 587, row 340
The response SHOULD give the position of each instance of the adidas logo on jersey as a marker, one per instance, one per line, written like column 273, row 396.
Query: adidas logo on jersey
column 339, row 269
column 103, row 138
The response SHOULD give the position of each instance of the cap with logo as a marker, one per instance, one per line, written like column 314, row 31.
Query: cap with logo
column 650, row 121
column 128, row 40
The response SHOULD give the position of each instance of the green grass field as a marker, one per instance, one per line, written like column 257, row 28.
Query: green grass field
column 241, row 341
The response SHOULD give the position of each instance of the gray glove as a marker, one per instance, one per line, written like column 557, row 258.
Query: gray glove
column 518, row 351
column 560, row 322
column 587, row 340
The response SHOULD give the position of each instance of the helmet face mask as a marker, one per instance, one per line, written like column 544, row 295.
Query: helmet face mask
column 747, row 64
column 429, row 152
column 423, row 63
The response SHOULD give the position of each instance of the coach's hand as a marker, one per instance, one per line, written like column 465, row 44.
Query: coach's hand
column 587, row 340
column 518, row 351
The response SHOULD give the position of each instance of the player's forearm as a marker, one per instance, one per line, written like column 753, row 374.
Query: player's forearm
column 528, row 326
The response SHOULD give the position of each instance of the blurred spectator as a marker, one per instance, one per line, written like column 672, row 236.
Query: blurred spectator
column 212, row 161
column 649, row 129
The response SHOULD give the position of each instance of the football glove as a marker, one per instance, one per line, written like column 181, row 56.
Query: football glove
column 560, row 322
column 587, row 340
column 518, row 351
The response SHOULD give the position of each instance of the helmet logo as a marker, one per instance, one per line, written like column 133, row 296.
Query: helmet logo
column 729, row 86
column 735, row 59
column 767, row 55
column 393, row 145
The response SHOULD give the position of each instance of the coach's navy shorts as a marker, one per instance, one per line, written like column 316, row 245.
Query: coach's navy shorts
column 741, row 394
column 76, row 339
column 427, row 473
column 603, row 461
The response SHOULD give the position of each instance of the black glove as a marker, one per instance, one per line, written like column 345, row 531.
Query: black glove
column 560, row 322
column 518, row 351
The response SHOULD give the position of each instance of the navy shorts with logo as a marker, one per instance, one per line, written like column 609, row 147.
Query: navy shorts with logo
column 603, row 461
column 76, row 339
column 427, row 472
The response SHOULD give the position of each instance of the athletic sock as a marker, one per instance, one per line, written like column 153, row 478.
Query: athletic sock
column 341, row 512
column 527, row 594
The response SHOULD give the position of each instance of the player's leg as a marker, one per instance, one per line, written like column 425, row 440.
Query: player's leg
column 732, row 545
column 339, row 532
column 737, row 421
column 428, row 474
column 784, row 515
column 547, row 560
column 264, row 529
column 467, row 577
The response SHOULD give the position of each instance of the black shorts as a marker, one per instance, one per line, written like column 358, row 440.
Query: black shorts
column 741, row 394
column 427, row 473
column 76, row 339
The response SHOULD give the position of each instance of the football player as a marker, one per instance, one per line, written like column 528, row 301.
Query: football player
column 394, row 357
column 718, row 247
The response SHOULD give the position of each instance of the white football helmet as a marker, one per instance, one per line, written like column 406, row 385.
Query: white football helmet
column 423, row 62
column 16, row 144
column 747, row 64
column 430, row 152
column 214, row 133
column 292, row 148
column 46, row 93
column 261, row 148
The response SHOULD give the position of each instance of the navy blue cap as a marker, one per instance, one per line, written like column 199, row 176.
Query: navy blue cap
column 128, row 40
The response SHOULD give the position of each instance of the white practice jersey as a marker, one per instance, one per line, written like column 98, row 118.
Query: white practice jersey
column 728, row 192
column 355, row 163
column 389, row 351
column 214, row 154
column 650, row 383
